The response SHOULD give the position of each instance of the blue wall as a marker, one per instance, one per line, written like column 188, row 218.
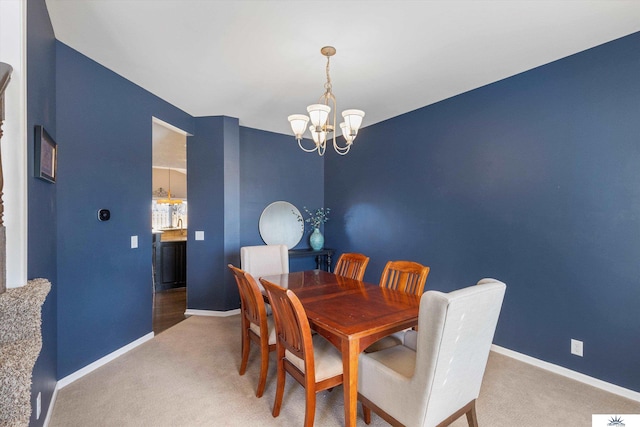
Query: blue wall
column 234, row 173
column 273, row 168
column 42, row 211
column 104, row 126
column 208, row 287
column 534, row 180
column 104, row 133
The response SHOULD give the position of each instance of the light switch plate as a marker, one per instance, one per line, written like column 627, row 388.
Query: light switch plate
column 199, row 235
column 134, row 242
column 576, row 347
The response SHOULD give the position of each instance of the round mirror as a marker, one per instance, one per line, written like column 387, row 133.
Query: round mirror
column 281, row 224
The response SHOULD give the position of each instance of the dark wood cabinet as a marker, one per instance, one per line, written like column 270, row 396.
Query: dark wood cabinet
column 170, row 264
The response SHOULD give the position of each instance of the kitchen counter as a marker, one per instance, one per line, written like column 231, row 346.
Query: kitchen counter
column 171, row 235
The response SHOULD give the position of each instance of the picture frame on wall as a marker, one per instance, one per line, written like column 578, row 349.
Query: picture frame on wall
column 46, row 155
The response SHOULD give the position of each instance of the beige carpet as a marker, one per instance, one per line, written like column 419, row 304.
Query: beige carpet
column 188, row 376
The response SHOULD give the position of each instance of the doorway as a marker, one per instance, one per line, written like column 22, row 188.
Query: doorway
column 169, row 224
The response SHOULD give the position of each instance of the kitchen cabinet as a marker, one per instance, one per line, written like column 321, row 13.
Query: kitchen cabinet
column 169, row 264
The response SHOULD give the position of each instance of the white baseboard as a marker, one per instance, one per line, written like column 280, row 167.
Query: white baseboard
column 50, row 409
column 102, row 361
column 603, row 385
column 192, row 312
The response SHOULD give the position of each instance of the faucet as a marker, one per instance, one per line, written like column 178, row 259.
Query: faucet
column 180, row 223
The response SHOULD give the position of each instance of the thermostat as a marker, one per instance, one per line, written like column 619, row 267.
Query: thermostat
column 104, row 215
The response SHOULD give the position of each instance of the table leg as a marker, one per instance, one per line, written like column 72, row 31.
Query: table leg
column 350, row 352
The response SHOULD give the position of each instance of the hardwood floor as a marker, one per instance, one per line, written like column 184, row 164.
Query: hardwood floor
column 168, row 308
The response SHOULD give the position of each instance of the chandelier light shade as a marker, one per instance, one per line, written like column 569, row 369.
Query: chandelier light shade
column 323, row 122
column 298, row 124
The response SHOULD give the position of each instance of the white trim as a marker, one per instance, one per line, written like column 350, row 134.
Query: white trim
column 603, row 385
column 13, row 18
column 169, row 126
column 192, row 312
column 54, row 396
column 102, row 361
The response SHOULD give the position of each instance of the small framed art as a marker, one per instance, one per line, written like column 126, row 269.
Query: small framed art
column 46, row 155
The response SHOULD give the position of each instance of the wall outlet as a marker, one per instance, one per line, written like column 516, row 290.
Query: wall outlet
column 134, row 242
column 576, row 347
column 38, row 405
column 199, row 235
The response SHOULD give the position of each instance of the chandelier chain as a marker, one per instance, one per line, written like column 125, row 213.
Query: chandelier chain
column 327, row 85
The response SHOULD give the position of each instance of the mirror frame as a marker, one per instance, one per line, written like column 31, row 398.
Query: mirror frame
column 281, row 223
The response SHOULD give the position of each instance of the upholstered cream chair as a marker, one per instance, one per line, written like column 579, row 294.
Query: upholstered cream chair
column 264, row 260
column 312, row 360
column 256, row 325
column 435, row 377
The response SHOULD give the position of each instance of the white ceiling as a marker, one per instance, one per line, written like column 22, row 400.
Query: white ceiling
column 169, row 147
column 259, row 60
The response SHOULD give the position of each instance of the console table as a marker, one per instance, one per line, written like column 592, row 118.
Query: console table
column 323, row 256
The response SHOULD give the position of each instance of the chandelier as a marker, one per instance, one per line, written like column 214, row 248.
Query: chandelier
column 322, row 124
column 166, row 194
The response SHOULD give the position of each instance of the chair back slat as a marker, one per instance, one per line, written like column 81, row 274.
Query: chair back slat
column 251, row 301
column 352, row 265
column 405, row 276
column 292, row 326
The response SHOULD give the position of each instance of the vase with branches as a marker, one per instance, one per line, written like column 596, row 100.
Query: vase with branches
column 315, row 220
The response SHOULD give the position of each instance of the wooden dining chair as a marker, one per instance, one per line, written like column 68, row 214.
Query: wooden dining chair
column 405, row 276
column 352, row 265
column 256, row 325
column 313, row 361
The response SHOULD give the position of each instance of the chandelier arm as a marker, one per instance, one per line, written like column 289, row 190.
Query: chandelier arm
column 321, row 148
column 346, row 148
column 342, row 150
column 306, row 149
column 326, row 98
column 335, row 123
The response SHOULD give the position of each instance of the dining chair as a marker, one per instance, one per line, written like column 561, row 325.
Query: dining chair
column 435, row 376
column 405, row 276
column 256, row 325
column 352, row 265
column 312, row 360
column 264, row 260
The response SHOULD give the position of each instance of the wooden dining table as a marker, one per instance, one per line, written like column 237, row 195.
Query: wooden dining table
column 351, row 315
